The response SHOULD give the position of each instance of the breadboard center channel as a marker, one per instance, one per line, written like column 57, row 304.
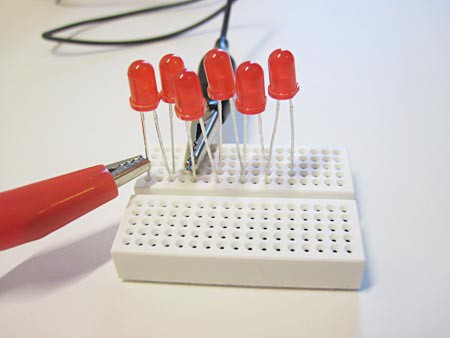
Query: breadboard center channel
column 299, row 231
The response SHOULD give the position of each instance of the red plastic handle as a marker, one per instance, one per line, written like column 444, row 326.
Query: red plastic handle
column 33, row 211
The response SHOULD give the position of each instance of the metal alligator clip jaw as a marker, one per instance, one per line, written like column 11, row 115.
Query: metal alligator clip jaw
column 211, row 116
column 127, row 170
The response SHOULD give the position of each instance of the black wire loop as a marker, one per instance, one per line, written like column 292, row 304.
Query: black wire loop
column 50, row 35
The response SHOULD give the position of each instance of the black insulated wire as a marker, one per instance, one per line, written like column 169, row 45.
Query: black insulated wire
column 226, row 19
column 50, row 35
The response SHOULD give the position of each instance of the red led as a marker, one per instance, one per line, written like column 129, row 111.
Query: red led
column 250, row 91
column 220, row 75
column 190, row 104
column 169, row 66
column 283, row 84
column 144, row 93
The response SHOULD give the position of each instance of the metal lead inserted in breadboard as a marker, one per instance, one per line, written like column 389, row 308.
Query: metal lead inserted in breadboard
column 299, row 231
column 319, row 172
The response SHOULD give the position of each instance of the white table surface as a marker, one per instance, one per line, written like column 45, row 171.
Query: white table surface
column 374, row 77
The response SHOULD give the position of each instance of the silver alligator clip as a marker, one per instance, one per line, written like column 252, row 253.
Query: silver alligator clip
column 211, row 116
column 127, row 170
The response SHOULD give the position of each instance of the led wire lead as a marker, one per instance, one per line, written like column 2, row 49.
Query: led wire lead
column 144, row 134
column 291, row 110
column 272, row 140
column 245, row 140
column 263, row 153
column 236, row 137
column 191, row 150
column 161, row 145
column 219, row 108
column 172, row 137
column 208, row 149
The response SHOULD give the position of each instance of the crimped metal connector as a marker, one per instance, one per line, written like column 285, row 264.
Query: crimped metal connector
column 127, row 170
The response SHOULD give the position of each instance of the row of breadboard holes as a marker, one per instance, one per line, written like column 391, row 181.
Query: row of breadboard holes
column 252, row 206
column 281, row 158
column 256, row 180
column 249, row 246
column 253, row 165
column 240, row 212
column 302, row 161
column 238, row 225
column 280, row 170
column 236, row 234
column 278, row 176
column 255, row 162
column 241, row 215
column 314, row 153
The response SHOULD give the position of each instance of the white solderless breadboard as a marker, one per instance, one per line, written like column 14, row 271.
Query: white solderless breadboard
column 318, row 172
column 241, row 241
column 298, row 231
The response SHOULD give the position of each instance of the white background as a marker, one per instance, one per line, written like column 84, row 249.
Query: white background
column 374, row 76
